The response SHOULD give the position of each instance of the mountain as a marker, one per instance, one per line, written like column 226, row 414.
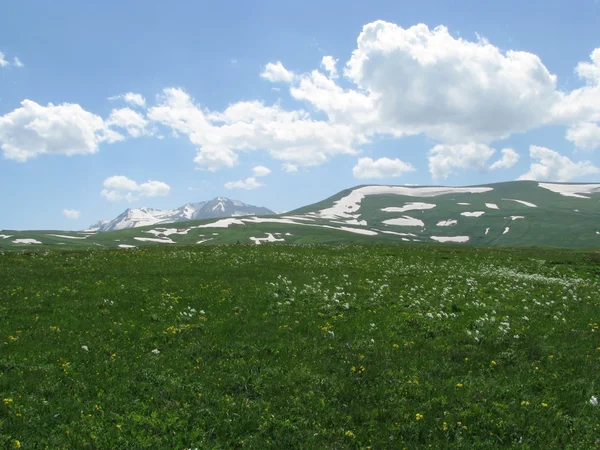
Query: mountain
column 217, row 208
column 511, row 214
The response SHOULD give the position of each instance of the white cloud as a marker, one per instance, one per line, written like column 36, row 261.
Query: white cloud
column 17, row 62
column 508, row 160
column 71, row 214
column 248, row 183
column 585, row 136
column 552, row 166
column 444, row 158
column 131, row 98
column 119, row 187
column 261, row 171
column 290, row 136
column 288, row 167
column 381, row 168
column 3, row 61
column 129, row 120
column 276, row 73
column 65, row 129
column 329, row 64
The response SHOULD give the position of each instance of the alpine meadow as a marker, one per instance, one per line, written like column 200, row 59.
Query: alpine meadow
column 324, row 225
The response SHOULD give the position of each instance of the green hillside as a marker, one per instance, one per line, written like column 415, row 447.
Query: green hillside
column 511, row 214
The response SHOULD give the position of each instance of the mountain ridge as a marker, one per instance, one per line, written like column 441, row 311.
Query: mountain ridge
column 218, row 207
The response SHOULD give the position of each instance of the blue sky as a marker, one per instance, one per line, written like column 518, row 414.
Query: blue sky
column 506, row 90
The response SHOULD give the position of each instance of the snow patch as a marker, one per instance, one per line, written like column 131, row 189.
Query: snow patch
column 450, row 238
column 523, row 202
column 506, row 230
column 464, row 204
column 516, row 217
column 571, row 190
column 405, row 221
column 269, row 238
column 126, row 246
column 473, row 214
column 223, row 223
column 396, row 233
column 26, row 241
column 288, row 234
column 447, row 223
column 66, row 237
column 5, row 236
column 492, row 205
column 204, row 240
column 347, row 206
column 166, row 231
column 299, row 218
column 487, row 230
column 161, row 241
column 358, row 231
column 409, row 207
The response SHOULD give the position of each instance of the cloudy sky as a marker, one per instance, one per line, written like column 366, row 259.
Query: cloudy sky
column 108, row 105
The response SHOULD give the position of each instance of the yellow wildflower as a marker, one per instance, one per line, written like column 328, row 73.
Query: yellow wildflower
column 418, row 416
column 349, row 434
column 459, row 385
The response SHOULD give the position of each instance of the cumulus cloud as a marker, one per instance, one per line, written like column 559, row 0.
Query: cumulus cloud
column 129, row 120
column 380, row 168
column 131, row 98
column 261, row 171
column 329, row 64
column 17, row 62
column 508, row 160
column 3, row 61
column 248, row 183
column 71, row 214
column 585, row 136
column 65, row 129
column 290, row 168
column 119, row 187
column 290, row 136
column 443, row 159
column 552, row 166
column 276, row 73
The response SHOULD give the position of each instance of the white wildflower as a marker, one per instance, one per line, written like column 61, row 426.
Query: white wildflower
column 85, row 347
column 594, row 400
column 156, row 351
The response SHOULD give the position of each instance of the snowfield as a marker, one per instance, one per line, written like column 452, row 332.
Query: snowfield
column 269, row 238
column 409, row 207
column 572, row 190
column 473, row 214
column 450, row 238
column 347, row 206
column 447, row 223
column 166, row 231
column 522, row 202
column 160, row 241
column 405, row 221
column 67, row 237
column 26, row 241
column 492, row 205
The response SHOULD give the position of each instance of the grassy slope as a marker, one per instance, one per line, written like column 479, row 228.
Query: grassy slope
column 554, row 223
column 299, row 347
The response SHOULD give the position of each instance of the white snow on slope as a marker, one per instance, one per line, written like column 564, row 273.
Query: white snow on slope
column 492, row 205
column 409, row 207
column 447, row 223
column 487, row 230
column 362, row 223
column 357, row 231
column 463, row 204
column 161, row 241
column 5, row 236
column 67, row 237
column 166, row 231
column 204, row 240
column 506, row 230
column 473, row 214
column 572, row 190
column 347, row 206
column 405, row 221
column 26, row 241
column 223, row 223
column 450, row 238
column 269, row 238
column 396, row 233
column 126, row 246
column 523, row 202
column 516, row 217
column 299, row 218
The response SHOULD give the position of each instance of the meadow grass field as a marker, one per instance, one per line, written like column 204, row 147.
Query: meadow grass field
column 316, row 347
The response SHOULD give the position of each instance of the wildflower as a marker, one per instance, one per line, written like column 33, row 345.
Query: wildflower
column 350, row 434
column 85, row 347
column 7, row 401
column 396, row 346
column 118, row 427
column 17, row 444
column 493, row 363
column 156, row 351
column 445, row 427
column 418, row 417
column 525, row 403
column 459, row 385
column 594, row 400
column 544, row 405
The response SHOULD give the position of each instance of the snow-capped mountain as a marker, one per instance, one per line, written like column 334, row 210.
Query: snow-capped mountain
column 217, row 208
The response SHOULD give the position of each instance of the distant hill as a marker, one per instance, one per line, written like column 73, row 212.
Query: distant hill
column 511, row 214
column 215, row 208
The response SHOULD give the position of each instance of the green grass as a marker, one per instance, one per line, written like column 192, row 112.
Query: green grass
column 324, row 347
